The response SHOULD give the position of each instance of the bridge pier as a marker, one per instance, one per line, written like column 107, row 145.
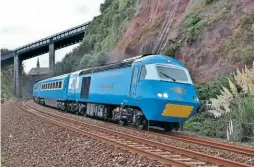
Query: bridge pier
column 51, row 59
column 17, row 76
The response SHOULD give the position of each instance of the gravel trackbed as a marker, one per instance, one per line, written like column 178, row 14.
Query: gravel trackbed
column 28, row 141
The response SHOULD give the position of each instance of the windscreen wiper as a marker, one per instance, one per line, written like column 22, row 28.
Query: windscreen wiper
column 168, row 76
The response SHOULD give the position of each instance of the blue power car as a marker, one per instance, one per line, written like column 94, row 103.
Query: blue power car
column 148, row 90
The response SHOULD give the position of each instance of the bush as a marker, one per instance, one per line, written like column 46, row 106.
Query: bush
column 208, row 1
column 194, row 26
column 206, row 125
column 237, row 105
column 212, row 89
column 171, row 48
column 193, row 33
column 193, row 20
column 252, row 29
column 232, row 103
column 105, row 5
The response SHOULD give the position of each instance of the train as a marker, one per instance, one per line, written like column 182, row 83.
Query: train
column 144, row 91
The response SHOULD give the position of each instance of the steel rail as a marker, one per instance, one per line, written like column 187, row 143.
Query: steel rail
column 191, row 154
column 206, row 142
column 139, row 151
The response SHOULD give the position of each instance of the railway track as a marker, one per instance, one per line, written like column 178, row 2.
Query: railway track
column 204, row 142
column 153, row 150
column 210, row 143
column 243, row 150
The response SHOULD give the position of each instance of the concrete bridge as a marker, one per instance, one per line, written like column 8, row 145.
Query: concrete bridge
column 48, row 44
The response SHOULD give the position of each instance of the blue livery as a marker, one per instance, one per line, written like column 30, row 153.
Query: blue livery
column 148, row 90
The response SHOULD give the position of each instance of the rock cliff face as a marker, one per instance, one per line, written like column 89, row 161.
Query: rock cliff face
column 211, row 37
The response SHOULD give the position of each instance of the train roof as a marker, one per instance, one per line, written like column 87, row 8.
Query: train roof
column 55, row 78
column 145, row 59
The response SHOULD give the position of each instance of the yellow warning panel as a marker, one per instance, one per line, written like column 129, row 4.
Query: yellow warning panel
column 174, row 110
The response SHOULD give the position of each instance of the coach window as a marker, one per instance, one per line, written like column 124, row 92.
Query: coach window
column 60, row 84
column 57, row 84
column 54, row 85
column 48, row 86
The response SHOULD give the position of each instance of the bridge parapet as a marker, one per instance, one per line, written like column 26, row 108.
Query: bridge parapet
column 46, row 41
column 48, row 44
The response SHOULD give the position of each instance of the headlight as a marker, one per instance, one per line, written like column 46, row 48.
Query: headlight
column 165, row 95
column 159, row 95
column 195, row 98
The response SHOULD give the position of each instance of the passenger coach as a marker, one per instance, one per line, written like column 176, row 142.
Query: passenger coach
column 148, row 90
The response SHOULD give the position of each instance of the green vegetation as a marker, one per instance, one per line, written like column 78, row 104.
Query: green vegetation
column 192, row 21
column 171, row 48
column 194, row 25
column 240, row 46
column 207, row 2
column 2, row 161
column 101, row 35
column 231, row 102
column 105, row 5
column 7, row 82
column 252, row 29
column 193, row 33
column 212, row 89
column 205, row 124
column 218, row 16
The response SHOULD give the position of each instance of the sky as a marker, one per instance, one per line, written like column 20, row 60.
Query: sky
column 26, row 21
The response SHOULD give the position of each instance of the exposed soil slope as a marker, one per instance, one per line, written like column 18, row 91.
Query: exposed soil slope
column 211, row 37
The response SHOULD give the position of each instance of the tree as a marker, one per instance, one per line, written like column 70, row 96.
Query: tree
column 105, row 5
